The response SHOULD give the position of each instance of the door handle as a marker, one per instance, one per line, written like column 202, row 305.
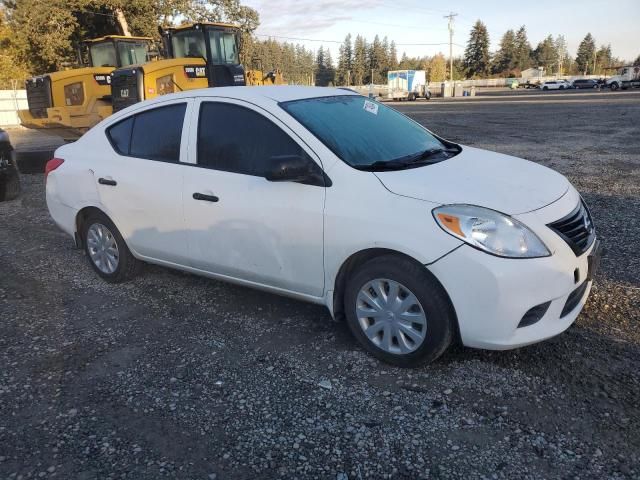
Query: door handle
column 107, row 181
column 206, row 198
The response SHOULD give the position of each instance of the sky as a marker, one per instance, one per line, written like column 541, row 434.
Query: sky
column 418, row 26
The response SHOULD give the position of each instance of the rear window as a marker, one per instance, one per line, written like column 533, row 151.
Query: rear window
column 360, row 131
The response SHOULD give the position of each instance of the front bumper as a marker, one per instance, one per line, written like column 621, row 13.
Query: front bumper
column 491, row 294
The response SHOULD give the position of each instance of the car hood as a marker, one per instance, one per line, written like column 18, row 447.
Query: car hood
column 478, row 177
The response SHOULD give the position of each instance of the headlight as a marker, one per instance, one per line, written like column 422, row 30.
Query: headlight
column 491, row 231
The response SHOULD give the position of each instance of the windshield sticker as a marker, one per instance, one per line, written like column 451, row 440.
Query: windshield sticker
column 371, row 107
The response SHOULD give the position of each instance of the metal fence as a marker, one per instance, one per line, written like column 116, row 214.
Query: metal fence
column 10, row 102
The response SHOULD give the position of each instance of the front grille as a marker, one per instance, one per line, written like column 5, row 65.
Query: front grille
column 576, row 229
column 39, row 95
column 574, row 299
column 126, row 85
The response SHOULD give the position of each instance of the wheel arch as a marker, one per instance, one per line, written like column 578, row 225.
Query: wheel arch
column 81, row 217
column 358, row 259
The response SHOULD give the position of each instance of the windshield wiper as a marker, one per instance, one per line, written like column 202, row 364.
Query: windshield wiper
column 408, row 161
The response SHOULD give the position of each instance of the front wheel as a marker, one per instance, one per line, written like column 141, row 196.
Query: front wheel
column 545, row 88
column 614, row 86
column 398, row 311
column 107, row 251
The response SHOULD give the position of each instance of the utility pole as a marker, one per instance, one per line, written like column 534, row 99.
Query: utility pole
column 451, row 17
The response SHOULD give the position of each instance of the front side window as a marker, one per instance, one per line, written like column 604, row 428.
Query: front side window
column 153, row 134
column 236, row 139
column 367, row 134
column 103, row 54
column 133, row 53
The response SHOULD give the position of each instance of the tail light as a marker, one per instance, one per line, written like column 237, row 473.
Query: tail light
column 51, row 166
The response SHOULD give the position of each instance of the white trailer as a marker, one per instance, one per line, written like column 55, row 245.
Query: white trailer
column 407, row 85
column 625, row 77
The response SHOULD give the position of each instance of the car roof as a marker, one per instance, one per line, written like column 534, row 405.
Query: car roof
column 277, row 93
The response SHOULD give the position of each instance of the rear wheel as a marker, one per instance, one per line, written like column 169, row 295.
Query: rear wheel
column 614, row 86
column 545, row 88
column 398, row 311
column 107, row 251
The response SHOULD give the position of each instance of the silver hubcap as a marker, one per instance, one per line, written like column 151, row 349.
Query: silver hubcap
column 391, row 316
column 102, row 248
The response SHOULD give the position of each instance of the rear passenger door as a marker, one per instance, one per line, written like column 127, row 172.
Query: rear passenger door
column 140, row 180
column 239, row 224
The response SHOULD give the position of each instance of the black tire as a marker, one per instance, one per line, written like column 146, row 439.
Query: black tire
column 561, row 87
column 545, row 88
column 12, row 185
column 614, row 86
column 128, row 266
column 433, row 299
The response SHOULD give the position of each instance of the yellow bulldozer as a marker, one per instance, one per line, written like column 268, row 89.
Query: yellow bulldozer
column 81, row 97
column 200, row 55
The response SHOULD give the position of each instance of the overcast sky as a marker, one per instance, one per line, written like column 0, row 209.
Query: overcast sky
column 410, row 22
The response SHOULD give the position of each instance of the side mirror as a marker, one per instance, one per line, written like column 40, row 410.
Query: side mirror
column 295, row 168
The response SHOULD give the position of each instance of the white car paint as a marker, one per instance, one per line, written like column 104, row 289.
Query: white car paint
column 292, row 239
column 555, row 85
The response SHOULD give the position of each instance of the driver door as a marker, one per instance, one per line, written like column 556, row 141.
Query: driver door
column 239, row 224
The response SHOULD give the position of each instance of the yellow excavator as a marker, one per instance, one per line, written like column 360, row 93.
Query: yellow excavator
column 200, row 55
column 79, row 98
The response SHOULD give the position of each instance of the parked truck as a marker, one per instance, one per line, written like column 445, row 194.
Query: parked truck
column 625, row 77
column 408, row 85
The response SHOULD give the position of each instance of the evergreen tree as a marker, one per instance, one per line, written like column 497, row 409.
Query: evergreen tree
column 359, row 60
column 377, row 60
column 505, row 57
column 522, row 59
column 546, row 55
column 585, row 56
column 345, row 62
column 330, row 70
column 476, row 56
column 393, row 56
column 405, row 63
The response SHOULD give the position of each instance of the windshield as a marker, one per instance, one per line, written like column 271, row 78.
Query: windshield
column 188, row 43
column 224, row 48
column 132, row 53
column 103, row 54
column 360, row 131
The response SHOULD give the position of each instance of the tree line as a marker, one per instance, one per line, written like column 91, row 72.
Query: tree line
column 516, row 54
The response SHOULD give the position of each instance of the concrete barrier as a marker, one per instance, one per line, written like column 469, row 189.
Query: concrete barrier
column 10, row 102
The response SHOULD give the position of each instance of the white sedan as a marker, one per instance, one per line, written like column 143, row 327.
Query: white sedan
column 326, row 196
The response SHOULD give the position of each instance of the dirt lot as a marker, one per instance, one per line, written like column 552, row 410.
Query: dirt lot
column 175, row 376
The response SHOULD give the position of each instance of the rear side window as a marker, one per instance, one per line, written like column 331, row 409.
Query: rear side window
column 153, row 134
column 120, row 136
column 236, row 139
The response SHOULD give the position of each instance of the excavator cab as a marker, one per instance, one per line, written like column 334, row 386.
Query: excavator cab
column 81, row 97
column 201, row 55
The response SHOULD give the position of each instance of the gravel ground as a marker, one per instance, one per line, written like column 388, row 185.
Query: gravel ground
column 175, row 376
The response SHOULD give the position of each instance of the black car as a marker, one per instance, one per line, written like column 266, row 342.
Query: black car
column 585, row 83
column 9, row 177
